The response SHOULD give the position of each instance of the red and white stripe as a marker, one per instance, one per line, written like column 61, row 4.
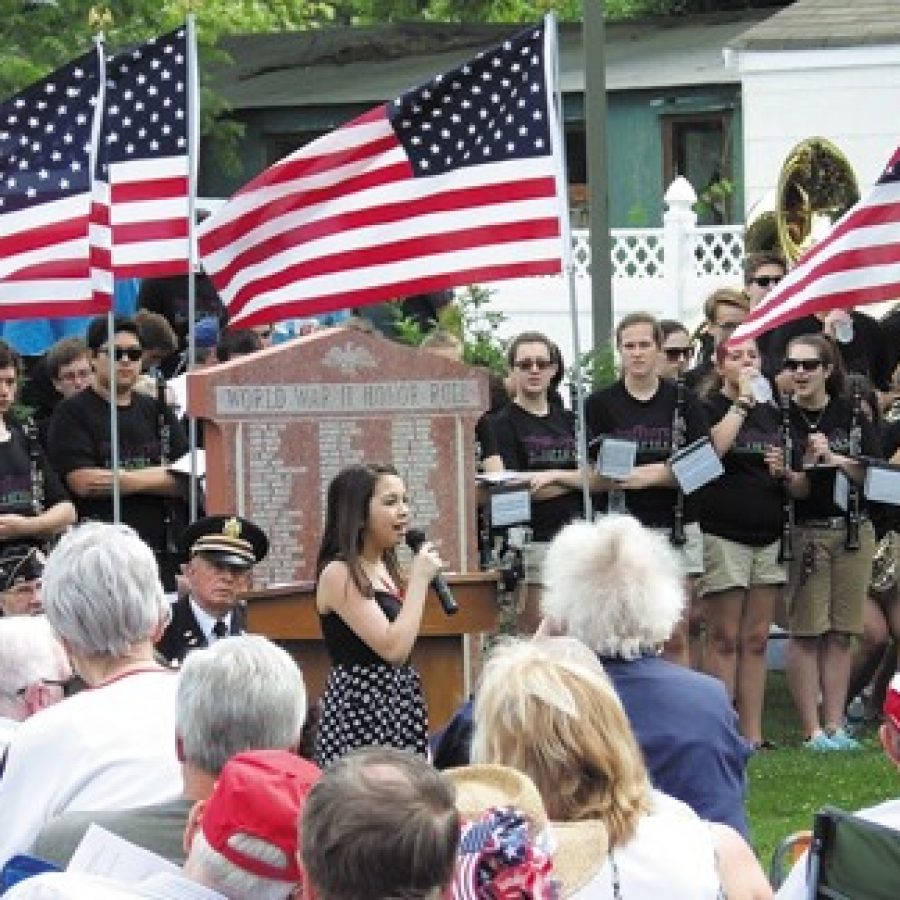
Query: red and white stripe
column 343, row 223
column 149, row 217
column 858, row 262
column 44, row 270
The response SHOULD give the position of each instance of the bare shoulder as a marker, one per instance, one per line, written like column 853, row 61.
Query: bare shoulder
column 335, row 587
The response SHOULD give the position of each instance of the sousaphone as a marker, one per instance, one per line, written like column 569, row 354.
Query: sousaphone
column 816, row 186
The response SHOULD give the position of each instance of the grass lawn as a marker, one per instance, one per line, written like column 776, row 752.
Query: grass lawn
column 788, row 784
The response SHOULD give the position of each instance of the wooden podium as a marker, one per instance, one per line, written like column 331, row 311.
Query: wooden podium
column 441, row 655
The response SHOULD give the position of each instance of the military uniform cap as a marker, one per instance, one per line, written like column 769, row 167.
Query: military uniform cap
column 230, row 540
column 18, row 563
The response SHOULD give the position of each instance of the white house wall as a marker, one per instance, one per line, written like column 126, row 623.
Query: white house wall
column 851, row 96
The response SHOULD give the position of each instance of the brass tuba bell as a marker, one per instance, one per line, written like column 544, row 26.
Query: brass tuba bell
column 815, row 188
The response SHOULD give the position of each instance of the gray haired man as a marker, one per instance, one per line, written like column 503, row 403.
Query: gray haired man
column 242, row 694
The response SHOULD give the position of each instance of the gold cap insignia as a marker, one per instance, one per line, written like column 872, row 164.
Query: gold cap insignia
column 231, row 528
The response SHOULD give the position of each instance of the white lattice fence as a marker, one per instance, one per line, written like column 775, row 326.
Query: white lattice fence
column 666, row 271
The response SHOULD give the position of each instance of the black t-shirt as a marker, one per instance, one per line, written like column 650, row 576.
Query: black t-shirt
column 16, row 489
column 867, row 354
column 80, row 439
column 834, row 422
column 745, row 503
column 614, row 412
column 529, row 443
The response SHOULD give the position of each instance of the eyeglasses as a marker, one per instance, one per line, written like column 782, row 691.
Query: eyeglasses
column 77, row 375
column 808, row 365
column 673, row 354
column 65, row 684
column 526, row 365
column 765, row 280
column 132, row 353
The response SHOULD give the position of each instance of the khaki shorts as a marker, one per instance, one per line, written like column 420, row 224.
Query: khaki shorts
column 691, row 552
column 728, row 564
column 827, row 585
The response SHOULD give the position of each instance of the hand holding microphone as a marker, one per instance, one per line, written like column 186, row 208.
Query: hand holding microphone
column 415, row 538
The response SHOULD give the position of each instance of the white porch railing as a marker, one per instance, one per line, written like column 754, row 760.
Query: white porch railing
column 666, row 271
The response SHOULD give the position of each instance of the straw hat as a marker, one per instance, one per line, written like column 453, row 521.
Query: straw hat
column 579, row 849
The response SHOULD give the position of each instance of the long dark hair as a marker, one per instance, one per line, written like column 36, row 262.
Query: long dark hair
column 829, row 356
column 346, row 519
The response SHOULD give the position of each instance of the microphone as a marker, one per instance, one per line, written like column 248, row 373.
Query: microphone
column 415, row 537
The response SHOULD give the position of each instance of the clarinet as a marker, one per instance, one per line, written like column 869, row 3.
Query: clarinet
column 851, row 540
column 786, row 548
column 35, row 470
column 165, row 451
column 679, row 439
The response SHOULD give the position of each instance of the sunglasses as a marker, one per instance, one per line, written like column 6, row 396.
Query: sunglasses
column 526, row 365
column 132, row 353
column 765, row 281
column 673, row 354
column 808, row 365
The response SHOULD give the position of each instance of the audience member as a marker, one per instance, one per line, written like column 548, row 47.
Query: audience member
column 21, row 567
column 33, row 673
column 379, row 824
column 497, row 801
column 112, row 746
column 559, row 721
column 616, row 586
column 220, row 551
column 506, row 847
column 241, row 842
column 152, row 497
column 887, row 813
column 242, row 694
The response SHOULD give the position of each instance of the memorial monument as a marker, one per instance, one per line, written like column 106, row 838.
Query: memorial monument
column 279, row 424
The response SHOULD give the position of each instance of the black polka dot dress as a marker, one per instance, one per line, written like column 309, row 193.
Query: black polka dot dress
column 367, row 701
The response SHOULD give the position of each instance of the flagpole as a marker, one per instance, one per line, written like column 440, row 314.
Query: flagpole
column 558, row 135
column 193, row 127
column 114, row 459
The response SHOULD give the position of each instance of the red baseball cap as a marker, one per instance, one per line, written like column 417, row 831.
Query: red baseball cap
column 261, row 794
column 892, row 702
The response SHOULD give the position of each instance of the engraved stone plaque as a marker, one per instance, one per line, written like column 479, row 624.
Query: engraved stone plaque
column 281, row 423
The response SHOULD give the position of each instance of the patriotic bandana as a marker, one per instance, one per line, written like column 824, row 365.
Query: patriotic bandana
column 500, row 860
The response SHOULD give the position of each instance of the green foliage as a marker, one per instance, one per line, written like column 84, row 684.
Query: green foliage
column 596, row 368
column 470, row 319
column 35, row 39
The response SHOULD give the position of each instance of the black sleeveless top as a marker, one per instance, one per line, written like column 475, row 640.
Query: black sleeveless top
column 345, row 647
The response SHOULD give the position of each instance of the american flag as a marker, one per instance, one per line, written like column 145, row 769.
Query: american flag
column 452, row 183
column 858, row 262
column 144, row 177
column 46, row 139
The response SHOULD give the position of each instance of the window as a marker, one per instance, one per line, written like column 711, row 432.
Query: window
column 699, row 148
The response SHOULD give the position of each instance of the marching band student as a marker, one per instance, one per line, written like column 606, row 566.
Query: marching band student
column 535, row 434
column 676, row 352
column 742, row 521
column 833, row 549
column 641, row 407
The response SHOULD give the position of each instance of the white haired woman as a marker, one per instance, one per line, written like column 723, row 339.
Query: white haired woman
column 113, row 746
column 617, row 587
column 560, row 722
